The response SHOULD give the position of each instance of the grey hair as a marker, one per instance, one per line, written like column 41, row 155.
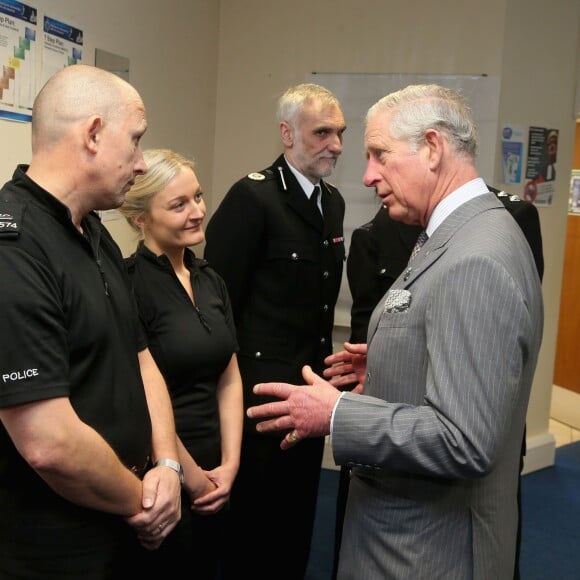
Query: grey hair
column 293, row 100
column 417, row 108
column 162, row 166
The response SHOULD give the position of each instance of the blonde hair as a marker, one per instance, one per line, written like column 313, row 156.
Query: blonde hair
column 162, row 166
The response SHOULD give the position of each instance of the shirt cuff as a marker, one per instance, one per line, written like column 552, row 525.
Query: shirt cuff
column 332, row 414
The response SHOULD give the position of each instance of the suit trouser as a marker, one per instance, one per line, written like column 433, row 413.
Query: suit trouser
column 272, row 509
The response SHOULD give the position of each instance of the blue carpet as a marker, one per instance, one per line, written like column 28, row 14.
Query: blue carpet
column 551, row 519
column 550, row 547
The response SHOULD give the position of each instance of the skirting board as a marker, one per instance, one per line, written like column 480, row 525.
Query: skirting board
column 540, row 453
column 565, row 407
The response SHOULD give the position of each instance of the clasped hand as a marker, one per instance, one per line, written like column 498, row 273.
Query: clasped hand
column 161, row 507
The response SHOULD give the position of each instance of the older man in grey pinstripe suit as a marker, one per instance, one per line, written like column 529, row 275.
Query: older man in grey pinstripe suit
column 435, row 439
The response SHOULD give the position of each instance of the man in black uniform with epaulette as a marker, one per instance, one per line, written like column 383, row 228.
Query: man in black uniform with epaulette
column 277, row 240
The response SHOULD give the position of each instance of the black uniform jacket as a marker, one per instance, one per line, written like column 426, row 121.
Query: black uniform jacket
column 282, row 264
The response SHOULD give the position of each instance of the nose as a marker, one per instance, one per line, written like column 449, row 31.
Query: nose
column 197, row 210
column 371, row 175
column 335, row 144
column 140, row 167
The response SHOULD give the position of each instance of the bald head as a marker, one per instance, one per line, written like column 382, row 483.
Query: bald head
column 73, row 94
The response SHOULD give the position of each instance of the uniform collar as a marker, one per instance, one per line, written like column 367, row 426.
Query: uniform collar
column 304, row 182
column 191, row 261
column 29, row 189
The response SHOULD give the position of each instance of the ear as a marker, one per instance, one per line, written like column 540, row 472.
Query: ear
column 139, row 220
column 435, row 146
column 286, row 134
column 93, row 133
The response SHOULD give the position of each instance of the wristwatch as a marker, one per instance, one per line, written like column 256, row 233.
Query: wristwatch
column 172, row 465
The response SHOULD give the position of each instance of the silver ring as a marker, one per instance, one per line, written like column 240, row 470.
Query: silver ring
column 292, row 437
column 161, row 527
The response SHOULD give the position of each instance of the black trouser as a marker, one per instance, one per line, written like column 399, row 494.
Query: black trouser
column 272, row 509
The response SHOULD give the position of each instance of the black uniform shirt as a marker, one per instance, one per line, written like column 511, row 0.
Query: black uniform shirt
column 192, row 344
column 70, row 329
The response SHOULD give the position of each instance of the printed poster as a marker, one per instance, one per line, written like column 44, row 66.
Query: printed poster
column 512, row 148
column 541, row 166
column 18, row 57
column 62, row 46
column 574, row 200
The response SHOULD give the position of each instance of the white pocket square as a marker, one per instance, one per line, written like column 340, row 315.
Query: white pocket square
column 397, row 301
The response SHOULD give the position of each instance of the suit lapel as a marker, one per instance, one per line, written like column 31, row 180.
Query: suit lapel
column 437, row 244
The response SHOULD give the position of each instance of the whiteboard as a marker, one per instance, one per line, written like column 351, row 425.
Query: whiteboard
column 356, row 93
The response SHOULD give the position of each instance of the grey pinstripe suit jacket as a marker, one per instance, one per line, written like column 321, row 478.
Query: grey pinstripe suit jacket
column 435, row 439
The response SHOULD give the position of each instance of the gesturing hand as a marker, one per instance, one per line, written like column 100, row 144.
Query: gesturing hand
column 347, row 367
column 305, row 409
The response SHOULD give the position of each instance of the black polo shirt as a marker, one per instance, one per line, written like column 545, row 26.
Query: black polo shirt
column 70, row 329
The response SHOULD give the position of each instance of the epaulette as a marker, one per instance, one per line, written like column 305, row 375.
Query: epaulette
column 264, row 175
column 11, row 213
column 368, row 226
column 511, row 197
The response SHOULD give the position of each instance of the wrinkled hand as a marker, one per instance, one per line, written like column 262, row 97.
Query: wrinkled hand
column 347, row 367
column 212, row 502
column 161, row 507
column 305, row 409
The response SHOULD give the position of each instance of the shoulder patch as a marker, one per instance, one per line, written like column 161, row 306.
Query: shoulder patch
column 257, row 176
column 10, row 219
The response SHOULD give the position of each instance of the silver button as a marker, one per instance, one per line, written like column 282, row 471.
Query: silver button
column 325, row 308
column 294, row 256
column 325, row 243
column 322, row 340
column 383, row 270
column 258, row 354
column 325, row 274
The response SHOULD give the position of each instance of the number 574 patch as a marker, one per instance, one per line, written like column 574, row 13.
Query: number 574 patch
column 10, row 219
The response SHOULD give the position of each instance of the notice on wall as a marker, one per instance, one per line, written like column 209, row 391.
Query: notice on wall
column 62, row 45
column 512, row 150
column 541, row 166
column 574, row 200
column 18, row 58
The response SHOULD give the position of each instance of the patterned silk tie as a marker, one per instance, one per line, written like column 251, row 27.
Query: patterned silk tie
column 423, row 237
